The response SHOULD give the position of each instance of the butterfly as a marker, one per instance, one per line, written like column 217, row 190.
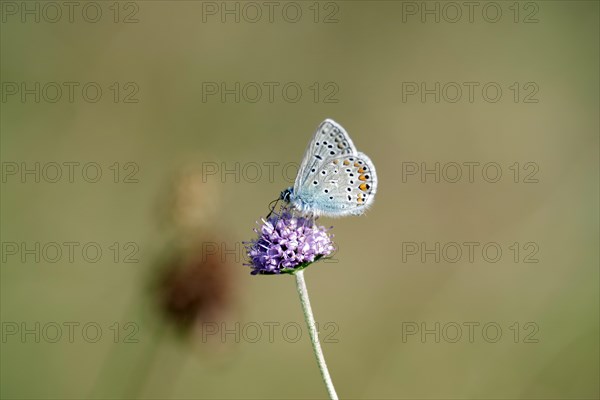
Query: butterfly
column 334, row 179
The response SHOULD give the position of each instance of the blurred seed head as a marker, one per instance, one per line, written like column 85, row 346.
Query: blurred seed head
column 194, row 285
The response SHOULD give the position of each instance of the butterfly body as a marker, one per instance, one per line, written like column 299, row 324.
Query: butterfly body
column 334, row 179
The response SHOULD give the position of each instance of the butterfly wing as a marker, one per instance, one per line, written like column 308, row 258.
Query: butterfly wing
column 329, row 141
column 340, row 185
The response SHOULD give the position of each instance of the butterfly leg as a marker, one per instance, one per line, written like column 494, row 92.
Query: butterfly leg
column 272, row 206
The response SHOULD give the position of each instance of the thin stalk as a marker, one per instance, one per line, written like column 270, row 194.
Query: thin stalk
column 314, row 335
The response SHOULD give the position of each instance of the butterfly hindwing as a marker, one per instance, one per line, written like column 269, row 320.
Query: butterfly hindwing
column 341, row 185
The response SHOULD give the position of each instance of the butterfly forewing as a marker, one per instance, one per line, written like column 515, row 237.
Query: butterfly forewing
column 329, row 141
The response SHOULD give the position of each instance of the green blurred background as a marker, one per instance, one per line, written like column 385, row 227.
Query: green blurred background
column 360, row 59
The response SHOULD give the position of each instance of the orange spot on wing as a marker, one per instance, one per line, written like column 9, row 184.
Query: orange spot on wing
column 362, row 178
column 346, row 162
column 364, row 187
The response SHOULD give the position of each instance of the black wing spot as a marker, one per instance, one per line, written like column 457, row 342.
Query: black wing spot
column 323, row 172
column 315, row 183
column 332, row 152
column 349, row 189
column 313, row 170
column 326, row 190
column 330, row 197
column 318, row 156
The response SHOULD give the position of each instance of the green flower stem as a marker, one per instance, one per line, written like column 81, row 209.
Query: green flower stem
column 314, row 335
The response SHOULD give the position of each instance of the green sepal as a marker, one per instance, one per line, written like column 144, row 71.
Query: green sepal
column 292, row 271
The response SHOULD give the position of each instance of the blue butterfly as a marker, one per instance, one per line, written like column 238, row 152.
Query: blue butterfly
column 334, row 179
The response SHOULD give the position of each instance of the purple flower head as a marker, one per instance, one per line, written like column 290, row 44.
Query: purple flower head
column 288, row 243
